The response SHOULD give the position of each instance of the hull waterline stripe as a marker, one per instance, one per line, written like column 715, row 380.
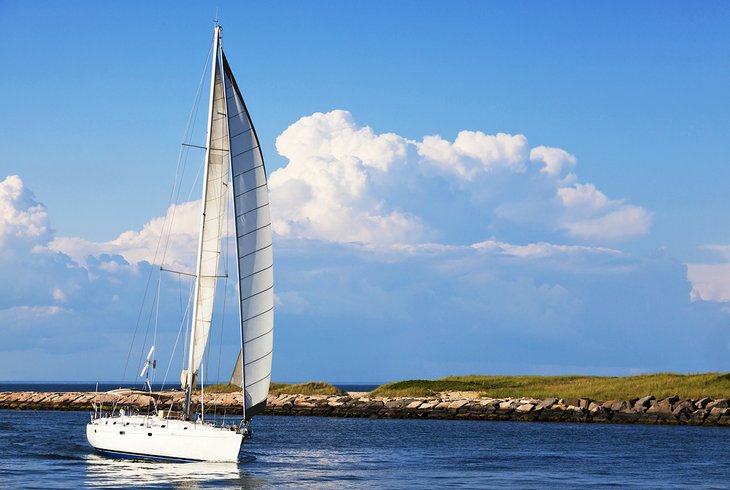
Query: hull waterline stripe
column 125, row 454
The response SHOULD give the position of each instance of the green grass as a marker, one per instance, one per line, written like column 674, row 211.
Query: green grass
column 221, row 388
column 311, row 388
column 714, row 385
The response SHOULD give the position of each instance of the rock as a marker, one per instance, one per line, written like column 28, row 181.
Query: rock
column 547, row 403
column 702, row 403
column 644, row 403
column 526, row 408
column 551, row 414
column 594, row 407
column 429, row 404
column 457, row 404
column 570, row 402
column 620, row 406
column 697, row 417
column 625, row 417
column 719, row 403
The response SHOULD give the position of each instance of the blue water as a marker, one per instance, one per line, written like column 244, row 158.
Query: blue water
column 49, row 450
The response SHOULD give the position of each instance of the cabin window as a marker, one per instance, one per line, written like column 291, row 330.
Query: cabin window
column 121, row 432
column 162, row 426
column 149, row 433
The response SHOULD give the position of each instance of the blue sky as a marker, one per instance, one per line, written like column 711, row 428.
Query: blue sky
column 462, row 187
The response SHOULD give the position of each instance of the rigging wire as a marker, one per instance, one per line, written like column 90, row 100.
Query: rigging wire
column 177, row 339
column 174, row 195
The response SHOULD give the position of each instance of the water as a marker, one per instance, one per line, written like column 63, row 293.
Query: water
column 48, row 450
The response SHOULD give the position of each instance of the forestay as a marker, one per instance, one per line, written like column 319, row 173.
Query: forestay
column 255, row 258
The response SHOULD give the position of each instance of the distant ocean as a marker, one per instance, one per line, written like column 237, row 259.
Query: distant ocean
column 49, row 450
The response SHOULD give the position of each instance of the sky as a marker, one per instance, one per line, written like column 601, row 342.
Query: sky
column 456, row 187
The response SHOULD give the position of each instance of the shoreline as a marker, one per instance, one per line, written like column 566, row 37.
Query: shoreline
column 446, row 406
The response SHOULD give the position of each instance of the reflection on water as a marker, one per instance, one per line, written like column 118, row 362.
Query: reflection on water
column 102, row 471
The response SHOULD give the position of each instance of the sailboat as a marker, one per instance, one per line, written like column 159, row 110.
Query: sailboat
column 232, row 158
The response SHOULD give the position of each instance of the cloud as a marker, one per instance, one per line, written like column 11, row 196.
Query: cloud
column 326, row 189
column 397, row 257
column 711, row 282
column 591, row 215
column 474, row 152
column 555, row 159
column 181, row 226
column 21, row 216
column 344, row 182
column 431, row 310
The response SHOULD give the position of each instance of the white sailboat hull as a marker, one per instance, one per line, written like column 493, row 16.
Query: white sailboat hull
column 151, row 437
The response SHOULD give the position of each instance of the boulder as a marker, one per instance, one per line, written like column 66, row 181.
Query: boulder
column 547, row 403
column 644, row 403
column 526, row 408
column 719, row 403
column 702, row 403
column 570, row 402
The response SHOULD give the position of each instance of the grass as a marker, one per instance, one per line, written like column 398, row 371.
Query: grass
column 311, row 388
column 221, row 388
column 661, row 385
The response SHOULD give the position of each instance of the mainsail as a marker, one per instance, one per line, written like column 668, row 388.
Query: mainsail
column 255, row 257
column 213, row 224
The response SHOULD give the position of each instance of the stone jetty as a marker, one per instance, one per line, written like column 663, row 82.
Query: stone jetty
column 646, row 410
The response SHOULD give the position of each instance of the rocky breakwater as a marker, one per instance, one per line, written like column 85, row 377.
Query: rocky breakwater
column 646, row 410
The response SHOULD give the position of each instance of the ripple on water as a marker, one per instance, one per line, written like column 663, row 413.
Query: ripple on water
column 49, row 450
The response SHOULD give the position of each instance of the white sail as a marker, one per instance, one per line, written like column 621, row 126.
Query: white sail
column 214, row 211
column 255, row 257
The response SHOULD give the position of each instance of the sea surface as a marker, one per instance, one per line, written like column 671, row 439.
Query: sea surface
column 43, row 449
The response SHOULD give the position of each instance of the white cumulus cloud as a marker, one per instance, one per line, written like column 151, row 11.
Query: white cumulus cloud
column 474, row 152
column 591, row 215
column 21, row 216
column 344, row 182
column 326, row 189
column 181, row 225
column 554, row 159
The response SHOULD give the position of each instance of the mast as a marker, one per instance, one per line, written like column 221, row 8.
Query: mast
column 191, row 354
